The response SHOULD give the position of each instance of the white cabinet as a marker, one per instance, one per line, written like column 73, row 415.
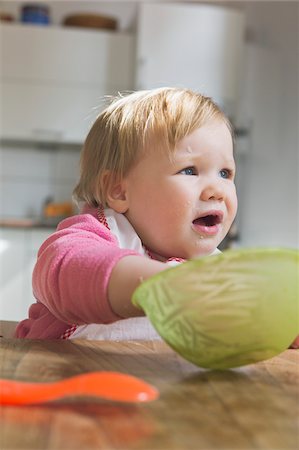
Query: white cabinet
column 195, row 46
column 50, row 113
column 53, row 80
column 18, row 251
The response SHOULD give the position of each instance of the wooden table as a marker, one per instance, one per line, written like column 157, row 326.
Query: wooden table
column 253, row 407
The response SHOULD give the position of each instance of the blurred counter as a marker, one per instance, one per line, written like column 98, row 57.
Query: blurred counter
column 25, row 222
column 53, row 213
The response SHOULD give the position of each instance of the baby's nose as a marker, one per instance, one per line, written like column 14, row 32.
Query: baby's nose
column 213, row 191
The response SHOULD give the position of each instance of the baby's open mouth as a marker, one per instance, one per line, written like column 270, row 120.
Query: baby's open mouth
column 209, row 220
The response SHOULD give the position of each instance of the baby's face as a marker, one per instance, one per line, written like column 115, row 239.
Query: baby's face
column 183, row 207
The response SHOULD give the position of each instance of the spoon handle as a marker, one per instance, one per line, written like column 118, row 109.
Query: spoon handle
column 108, row 385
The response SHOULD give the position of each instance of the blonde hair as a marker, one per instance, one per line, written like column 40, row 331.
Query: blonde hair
column 124, row 130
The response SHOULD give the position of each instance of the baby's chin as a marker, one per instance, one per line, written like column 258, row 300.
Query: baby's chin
column 200, row 253
column 203, row 248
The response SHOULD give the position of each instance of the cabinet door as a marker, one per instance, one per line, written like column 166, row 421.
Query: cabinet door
column 18, row 252
column 54, row 80
column 12, row 263
column 49, row 113
column 194, row 46
column 66, row 56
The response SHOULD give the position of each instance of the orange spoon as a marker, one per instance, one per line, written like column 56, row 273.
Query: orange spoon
column 109, row 385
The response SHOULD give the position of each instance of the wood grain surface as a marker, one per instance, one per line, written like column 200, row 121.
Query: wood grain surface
column 252, row 407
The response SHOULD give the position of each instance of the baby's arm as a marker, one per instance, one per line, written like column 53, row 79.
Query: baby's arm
column 125, row 277
column 73, row 274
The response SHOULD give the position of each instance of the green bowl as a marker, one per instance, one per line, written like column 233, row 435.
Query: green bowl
column 227, row 310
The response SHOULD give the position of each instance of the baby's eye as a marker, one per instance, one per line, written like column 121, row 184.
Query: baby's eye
column 188, row 171
column 226, row 173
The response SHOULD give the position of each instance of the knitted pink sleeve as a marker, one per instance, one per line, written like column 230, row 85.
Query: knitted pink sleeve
column 73, row 269
column 71, row 274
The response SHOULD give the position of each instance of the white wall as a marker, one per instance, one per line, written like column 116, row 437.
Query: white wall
column 31, row 174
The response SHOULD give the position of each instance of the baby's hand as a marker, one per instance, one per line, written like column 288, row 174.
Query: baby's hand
column 295, row 344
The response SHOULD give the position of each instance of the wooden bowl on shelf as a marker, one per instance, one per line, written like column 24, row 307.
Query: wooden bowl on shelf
column 91, row 21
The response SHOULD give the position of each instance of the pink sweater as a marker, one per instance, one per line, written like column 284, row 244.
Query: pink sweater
column 70, row 278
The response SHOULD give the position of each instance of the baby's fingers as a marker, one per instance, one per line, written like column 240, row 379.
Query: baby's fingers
column 295, row 343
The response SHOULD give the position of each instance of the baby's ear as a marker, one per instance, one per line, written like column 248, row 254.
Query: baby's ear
column 116, row 194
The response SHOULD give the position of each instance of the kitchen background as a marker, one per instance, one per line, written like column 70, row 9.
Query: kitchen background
column 54, row 77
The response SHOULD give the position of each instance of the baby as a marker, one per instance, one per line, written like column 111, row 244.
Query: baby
column 157, row 186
